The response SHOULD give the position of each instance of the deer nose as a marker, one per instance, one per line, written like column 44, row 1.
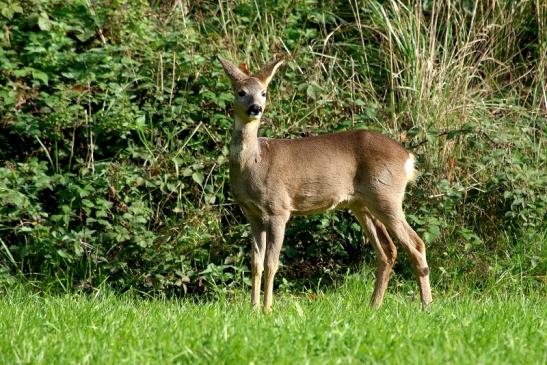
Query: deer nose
column 254, row 110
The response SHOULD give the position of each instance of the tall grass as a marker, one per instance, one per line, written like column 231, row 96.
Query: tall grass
column 449, row 66
column 460, row 83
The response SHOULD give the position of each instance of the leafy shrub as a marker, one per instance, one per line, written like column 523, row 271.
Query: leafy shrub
column 114, row 127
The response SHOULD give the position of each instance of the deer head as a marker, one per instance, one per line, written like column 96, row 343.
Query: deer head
column 249, row 90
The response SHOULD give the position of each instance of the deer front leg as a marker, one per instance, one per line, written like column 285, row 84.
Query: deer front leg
column 386, row 253
column 275, row 233
column 257, row 259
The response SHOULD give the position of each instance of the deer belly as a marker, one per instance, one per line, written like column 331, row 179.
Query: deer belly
column 304, row 203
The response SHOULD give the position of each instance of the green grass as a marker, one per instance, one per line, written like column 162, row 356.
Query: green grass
column 334, row 327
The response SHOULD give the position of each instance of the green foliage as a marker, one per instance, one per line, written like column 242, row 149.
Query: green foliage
column 114, row 126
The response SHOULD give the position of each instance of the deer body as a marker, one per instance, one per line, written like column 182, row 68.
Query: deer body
column 315, row 174
column 272, row 179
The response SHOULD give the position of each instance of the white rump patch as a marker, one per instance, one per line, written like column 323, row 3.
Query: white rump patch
column 409, row 167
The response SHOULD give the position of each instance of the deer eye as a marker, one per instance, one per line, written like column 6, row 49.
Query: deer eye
column 264, row 94
column 241, row 93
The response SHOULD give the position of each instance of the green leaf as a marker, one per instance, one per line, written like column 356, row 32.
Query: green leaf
column 310, row 91
column 88, row 203
column 44, row 23
column 198, row 177
column 6, row 12
column 42, row 76
column 84, row 36
column 63, row 254
column 21, row 72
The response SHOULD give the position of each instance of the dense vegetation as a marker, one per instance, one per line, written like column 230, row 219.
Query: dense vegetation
column 114, row 125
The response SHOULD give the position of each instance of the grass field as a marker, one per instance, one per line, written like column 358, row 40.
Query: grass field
column 332, row 327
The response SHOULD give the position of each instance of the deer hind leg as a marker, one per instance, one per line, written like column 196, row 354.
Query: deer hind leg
column 394, row 220
column 275, row 230
column 258, row 251
column 386, row 253
column 422, row 268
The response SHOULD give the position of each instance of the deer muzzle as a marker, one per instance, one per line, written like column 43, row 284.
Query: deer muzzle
column 254, row 110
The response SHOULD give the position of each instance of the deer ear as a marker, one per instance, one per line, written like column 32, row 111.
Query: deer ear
column 233, row 72
column 267, row 71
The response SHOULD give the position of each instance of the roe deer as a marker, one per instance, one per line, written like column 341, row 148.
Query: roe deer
column 272, row 179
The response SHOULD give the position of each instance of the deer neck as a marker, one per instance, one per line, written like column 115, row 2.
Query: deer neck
column 244, row 146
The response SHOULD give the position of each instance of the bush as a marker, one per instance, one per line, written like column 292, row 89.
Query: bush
column 114, row 130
